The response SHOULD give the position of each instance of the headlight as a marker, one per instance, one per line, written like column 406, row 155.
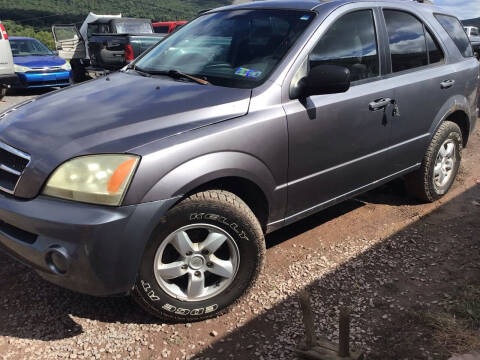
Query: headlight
column 97, row 179
column 21, row 69
column 66, row 66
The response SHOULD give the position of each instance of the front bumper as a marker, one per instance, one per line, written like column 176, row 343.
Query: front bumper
column 43, row 79
column 101, row 246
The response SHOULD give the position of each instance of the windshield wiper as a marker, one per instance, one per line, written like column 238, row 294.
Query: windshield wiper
column 139, row 71
column 177, row 75
column 172, row 73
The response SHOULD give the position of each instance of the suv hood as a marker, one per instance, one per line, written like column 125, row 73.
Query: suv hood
column 111, row 115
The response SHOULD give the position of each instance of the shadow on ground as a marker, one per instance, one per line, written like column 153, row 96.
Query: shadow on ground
column 390, row 287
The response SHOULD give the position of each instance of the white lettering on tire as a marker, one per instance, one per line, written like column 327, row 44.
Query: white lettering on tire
column 173, row 309
column 222, row 220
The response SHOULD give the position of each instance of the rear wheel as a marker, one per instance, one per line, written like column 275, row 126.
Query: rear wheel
column 204, row 256
column 439, row 166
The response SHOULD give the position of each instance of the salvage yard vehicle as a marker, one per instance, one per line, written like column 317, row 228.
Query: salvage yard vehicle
column 167, row 27
column 472, row 31
column 37, row 66
column 161, row 180
column 103, row 43
column 7, row 72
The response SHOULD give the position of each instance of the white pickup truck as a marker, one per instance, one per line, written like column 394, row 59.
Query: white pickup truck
column 7, row 71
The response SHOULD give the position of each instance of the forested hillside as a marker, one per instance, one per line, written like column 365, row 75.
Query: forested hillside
column 44, row 12
column 34, row 16
column 472, row 22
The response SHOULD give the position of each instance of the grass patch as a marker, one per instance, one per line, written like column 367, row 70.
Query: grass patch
column 457, row 327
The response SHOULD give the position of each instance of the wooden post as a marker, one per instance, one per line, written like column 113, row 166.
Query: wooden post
column 344, row 333
column 307, row 319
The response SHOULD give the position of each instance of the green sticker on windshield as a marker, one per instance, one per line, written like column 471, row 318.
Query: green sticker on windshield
column 244, row 72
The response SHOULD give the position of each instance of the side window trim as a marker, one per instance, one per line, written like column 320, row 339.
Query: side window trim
column 426, row 27
column 435, row 39
column 377, row 30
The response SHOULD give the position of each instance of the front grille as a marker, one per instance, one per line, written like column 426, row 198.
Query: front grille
column 12, row 164
column 45, row 70
column 48, row 82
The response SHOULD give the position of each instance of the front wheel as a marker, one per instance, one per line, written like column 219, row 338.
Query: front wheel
column 439, row 166
column 3, row 92
column 205, row 254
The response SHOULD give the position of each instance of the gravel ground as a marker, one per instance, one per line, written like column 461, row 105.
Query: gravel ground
column 389, row 258
column 14, row 97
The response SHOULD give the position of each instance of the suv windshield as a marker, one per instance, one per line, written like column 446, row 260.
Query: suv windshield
column 28, row 47
column 237, row 48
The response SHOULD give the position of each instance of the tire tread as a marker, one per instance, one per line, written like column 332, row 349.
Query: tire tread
column 418, row 182
column 219, row 198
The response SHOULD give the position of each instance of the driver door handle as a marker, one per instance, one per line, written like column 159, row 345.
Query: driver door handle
column 380, row 104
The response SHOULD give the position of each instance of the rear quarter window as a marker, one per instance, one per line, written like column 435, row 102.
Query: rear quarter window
column 456, row 31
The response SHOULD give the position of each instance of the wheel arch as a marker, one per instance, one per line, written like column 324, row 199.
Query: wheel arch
column 456, row 109
column 239, row 173
column 460, row 118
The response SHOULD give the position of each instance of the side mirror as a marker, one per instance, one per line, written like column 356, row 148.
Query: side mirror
column 325, row 79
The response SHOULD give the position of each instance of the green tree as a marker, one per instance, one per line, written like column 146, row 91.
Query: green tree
column 15, row 29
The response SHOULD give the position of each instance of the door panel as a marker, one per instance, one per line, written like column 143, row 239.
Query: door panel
column 419, row 98
column 423, row 84
column 337, row 144
column 68, row 42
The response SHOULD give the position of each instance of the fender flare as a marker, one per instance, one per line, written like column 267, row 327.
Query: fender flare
column 205, row 168
column 452, row 105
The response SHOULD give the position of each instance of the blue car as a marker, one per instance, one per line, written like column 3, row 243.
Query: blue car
column 37, row 66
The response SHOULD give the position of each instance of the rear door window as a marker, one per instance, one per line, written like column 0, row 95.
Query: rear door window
column 351, row 42
column 454, row 28
column 435, row 53
column 406, row 35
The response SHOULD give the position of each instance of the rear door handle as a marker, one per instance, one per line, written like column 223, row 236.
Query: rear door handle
column 379, row 104
column 447, row 84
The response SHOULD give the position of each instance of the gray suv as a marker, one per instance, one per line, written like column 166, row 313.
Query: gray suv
column 161, row 180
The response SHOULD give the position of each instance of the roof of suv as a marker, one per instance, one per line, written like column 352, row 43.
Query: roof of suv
column 314, row 4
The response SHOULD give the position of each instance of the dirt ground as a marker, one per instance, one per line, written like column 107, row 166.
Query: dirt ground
column 398, row 264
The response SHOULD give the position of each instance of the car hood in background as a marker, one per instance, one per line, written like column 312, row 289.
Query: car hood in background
column 39, row 61
column 111, row 115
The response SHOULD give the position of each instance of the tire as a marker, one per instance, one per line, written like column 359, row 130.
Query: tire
column 3, row 92
column 214, row 214
column 78, row 71
column 427, row 183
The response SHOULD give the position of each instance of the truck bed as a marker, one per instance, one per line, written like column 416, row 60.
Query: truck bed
column 107, row 51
